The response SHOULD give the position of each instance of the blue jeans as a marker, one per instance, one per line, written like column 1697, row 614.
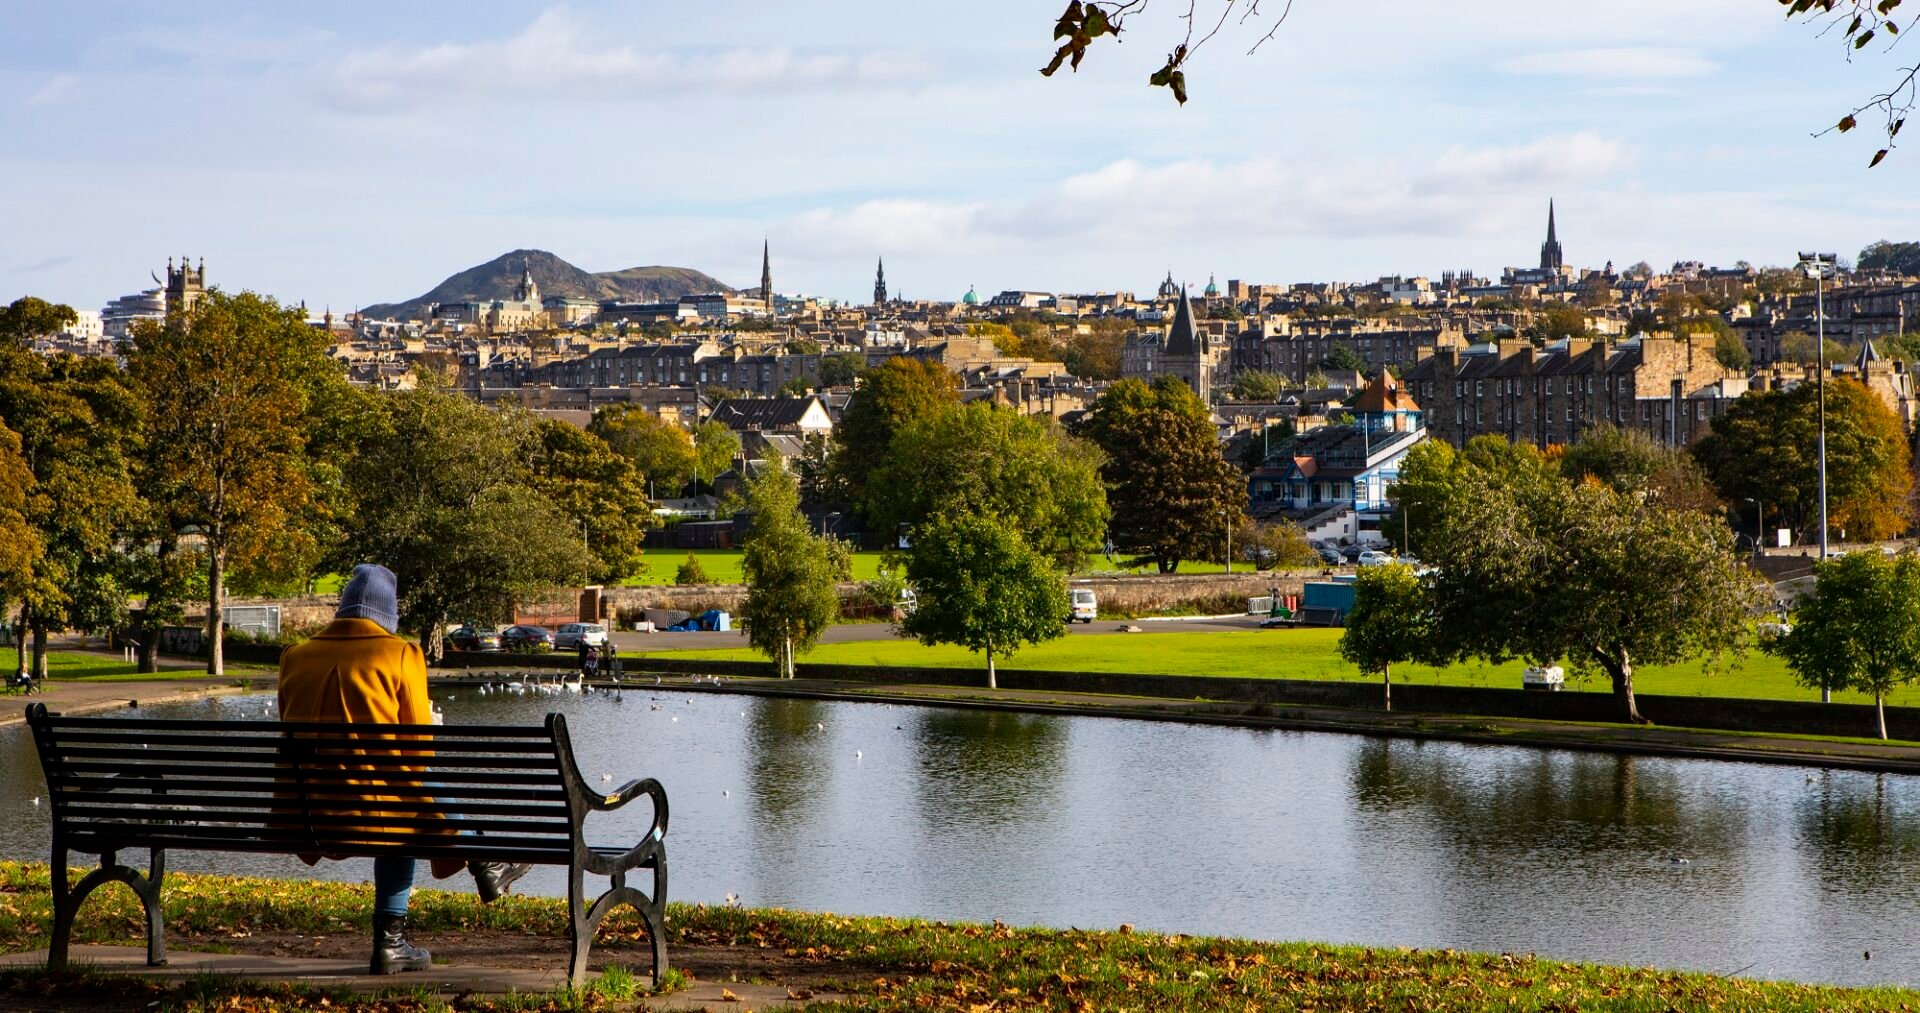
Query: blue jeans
column 393, row 880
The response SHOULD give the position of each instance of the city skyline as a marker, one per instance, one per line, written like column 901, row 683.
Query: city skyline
column 384, row 150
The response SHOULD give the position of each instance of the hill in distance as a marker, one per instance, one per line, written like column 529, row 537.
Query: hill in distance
column 499, row 277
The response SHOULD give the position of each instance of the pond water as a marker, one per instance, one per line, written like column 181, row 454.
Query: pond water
column 866, row 808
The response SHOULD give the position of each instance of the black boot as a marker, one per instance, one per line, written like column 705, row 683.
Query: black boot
column 392, row 953
column 491, row 879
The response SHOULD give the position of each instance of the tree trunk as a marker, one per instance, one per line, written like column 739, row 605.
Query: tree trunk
column 20, row 642
column 1386, row 684
column 1880, row 712
column 40, row 651
column 1621, row 670
column 216, row 621
column 148, row 651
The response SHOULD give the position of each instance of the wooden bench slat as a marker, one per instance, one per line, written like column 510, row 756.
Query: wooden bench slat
column 218, row 757
column 276, row 741
column 423, row 803
column 55, row 722
column 481, row 850
column 298, row 839
column 171, row 786
column 315, row 775
column 297, row 822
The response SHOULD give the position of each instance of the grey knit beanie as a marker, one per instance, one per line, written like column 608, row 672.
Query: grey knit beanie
column 370, row 594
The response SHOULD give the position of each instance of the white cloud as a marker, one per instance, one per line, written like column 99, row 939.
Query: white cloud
column 1621, row 63
column 1459, row 191
column 560, row 54
column 53, row 91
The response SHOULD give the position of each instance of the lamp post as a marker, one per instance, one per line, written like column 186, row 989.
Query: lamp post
column 1816, row 266
column 1228, row 517
column 1759, row 519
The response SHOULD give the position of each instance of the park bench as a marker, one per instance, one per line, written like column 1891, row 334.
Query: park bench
column 337, row 790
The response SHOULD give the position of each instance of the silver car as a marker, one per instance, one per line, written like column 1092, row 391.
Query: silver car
column 570, row 636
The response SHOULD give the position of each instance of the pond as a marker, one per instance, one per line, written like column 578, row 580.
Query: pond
column 867, row 808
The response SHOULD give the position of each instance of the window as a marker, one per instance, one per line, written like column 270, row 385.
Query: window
column 1477, row 388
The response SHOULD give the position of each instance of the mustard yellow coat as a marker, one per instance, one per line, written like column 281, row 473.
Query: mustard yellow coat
column 353, row 671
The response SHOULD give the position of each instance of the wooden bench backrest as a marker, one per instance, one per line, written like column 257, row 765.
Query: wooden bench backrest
column 310, row 788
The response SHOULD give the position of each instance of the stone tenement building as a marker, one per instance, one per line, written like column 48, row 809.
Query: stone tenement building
column 1669, row 388
column 1195, row 351
column 1296, row 351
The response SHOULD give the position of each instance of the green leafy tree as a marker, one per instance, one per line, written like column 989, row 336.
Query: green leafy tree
column 690, row 572
column 1257, row 385
column 1557, row 321
column 1859, row 629
column 20, row 544
column 1391, row 622
column 714, row 449
column 1629, row 461
column 1174, row 494
column 602, row 494
column 981, row 459
column 1530, row 565
column 889, row 397
column 1342, row 358
column 228, row 388
column 1765, row 448
column 442, row 496
column 803, row 346
column 80, row 425
column 980, row 586
column 31, row 317
column 789, row 572
column 1278, row 545
column 662, row 451
column 1897, row 258
column 1095, row 352
column 1730, row 351
column 1801, row 347
column 841, row 369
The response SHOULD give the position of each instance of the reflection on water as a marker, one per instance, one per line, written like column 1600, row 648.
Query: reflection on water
column 880, row 809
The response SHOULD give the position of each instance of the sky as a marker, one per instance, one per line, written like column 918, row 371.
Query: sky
column 354, row 152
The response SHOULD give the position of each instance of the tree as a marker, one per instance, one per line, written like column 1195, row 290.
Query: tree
column 1257, row 385
column 1527, row 564
column 78, row 424
column 1894, row 258
column 1342, row 358
column 1859, row 629
column 601, row 493
column 789, row 572
column 980, row 586
column 227, row 388
column 690, row 572
column 1729, row 350
column 714, row 449
column 20, row 545
column 803, row 346
column 1084, row 24
column 889, row 397
column 1094, row 354
column 991, row 461
column 1640, row 270
column 841, row 369
column 1391, row 621
column 1173, row 493
column 1277, row 545
column 662, row 451
column 1765, row 449
column 30, row 317
column 1801, row 347
column 1559, row 321
column 441, row 496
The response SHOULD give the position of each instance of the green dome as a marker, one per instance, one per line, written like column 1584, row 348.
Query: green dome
column 972, row 298
column 1212, row 289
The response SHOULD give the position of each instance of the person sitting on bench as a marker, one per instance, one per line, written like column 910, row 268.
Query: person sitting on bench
column 356, row 670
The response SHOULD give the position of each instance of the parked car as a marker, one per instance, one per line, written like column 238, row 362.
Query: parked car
column 526, row 638
column 475, row 638
column 570, row 636
column 1086, row 607
column 1331, row 556
column 1352, row 552
column 1373, row 557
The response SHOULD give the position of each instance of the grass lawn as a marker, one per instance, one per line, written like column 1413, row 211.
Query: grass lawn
column 723, row 567
column 883, row 963
column 71, row 666
column 1299, row 654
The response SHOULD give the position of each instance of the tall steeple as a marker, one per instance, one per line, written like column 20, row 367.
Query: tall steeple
column 766, row 275
column 1550, row 259
column 880, row 282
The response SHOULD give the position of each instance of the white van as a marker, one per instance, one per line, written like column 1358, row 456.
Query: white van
column 1086, row 607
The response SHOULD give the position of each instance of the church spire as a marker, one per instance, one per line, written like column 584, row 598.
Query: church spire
column 880, row 282
column 766, row 275
column 1550, row 257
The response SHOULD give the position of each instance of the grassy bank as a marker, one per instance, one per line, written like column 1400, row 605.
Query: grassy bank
column 723, row 566
column 81, row 666
column 1297, row 654
column 903, row 964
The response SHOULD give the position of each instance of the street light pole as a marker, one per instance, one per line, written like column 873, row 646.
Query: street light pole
column 1816, row 264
